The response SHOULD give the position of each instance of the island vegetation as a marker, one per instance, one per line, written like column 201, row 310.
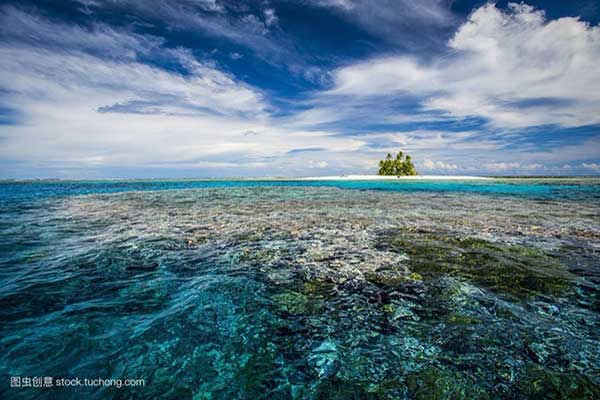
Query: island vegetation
column 400, row 166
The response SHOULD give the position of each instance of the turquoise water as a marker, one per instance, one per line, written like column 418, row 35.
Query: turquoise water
column 302, row 289
column 573, row 188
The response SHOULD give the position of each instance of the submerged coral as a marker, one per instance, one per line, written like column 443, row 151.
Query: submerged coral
column 510, row 269
column 254, row 292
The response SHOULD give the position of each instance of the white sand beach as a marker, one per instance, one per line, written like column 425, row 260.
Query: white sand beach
column 390, row 178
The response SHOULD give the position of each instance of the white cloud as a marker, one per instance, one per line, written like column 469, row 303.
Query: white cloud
column 505, row 166
column 85, row 99
column 588, row 149
column 591, row 166
column 81, row 109
column 513, row 68
column 212, row 17
column 392, row 20
column 419, row 141
column 115, row 85
column 270, row 17
column 384, row 76
column 439, row 165
column 317, row 164
column 34, row 30
column 344, row 4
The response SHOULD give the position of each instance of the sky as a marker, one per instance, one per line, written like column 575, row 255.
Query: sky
column 210, row 88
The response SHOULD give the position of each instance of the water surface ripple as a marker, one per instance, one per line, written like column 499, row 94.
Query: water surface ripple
column 302, row 290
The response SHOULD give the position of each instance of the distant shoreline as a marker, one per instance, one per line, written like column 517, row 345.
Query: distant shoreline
column 390, row 178
column 302, row 178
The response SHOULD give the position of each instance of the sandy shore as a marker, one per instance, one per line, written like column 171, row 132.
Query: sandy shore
column 388, row 178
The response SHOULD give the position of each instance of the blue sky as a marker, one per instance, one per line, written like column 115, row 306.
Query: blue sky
column 209, row 88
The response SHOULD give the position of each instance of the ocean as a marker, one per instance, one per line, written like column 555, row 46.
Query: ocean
column 249, row 289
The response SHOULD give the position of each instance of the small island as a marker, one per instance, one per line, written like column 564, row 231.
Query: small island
column 397, row 166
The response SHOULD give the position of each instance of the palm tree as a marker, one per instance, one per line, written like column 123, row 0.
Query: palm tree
column 397, row 166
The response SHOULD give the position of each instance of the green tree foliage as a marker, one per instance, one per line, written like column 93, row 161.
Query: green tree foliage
column 398, row 166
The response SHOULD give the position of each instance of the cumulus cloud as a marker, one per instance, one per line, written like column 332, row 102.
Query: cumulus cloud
column 439, row 165
column 591, row 166
column 270, row 17
column 80, row 98
column 513, row 68
column 317, row 164
column 505, row 166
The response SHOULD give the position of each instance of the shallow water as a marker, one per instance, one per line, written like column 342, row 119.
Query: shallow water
column 283, row 289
